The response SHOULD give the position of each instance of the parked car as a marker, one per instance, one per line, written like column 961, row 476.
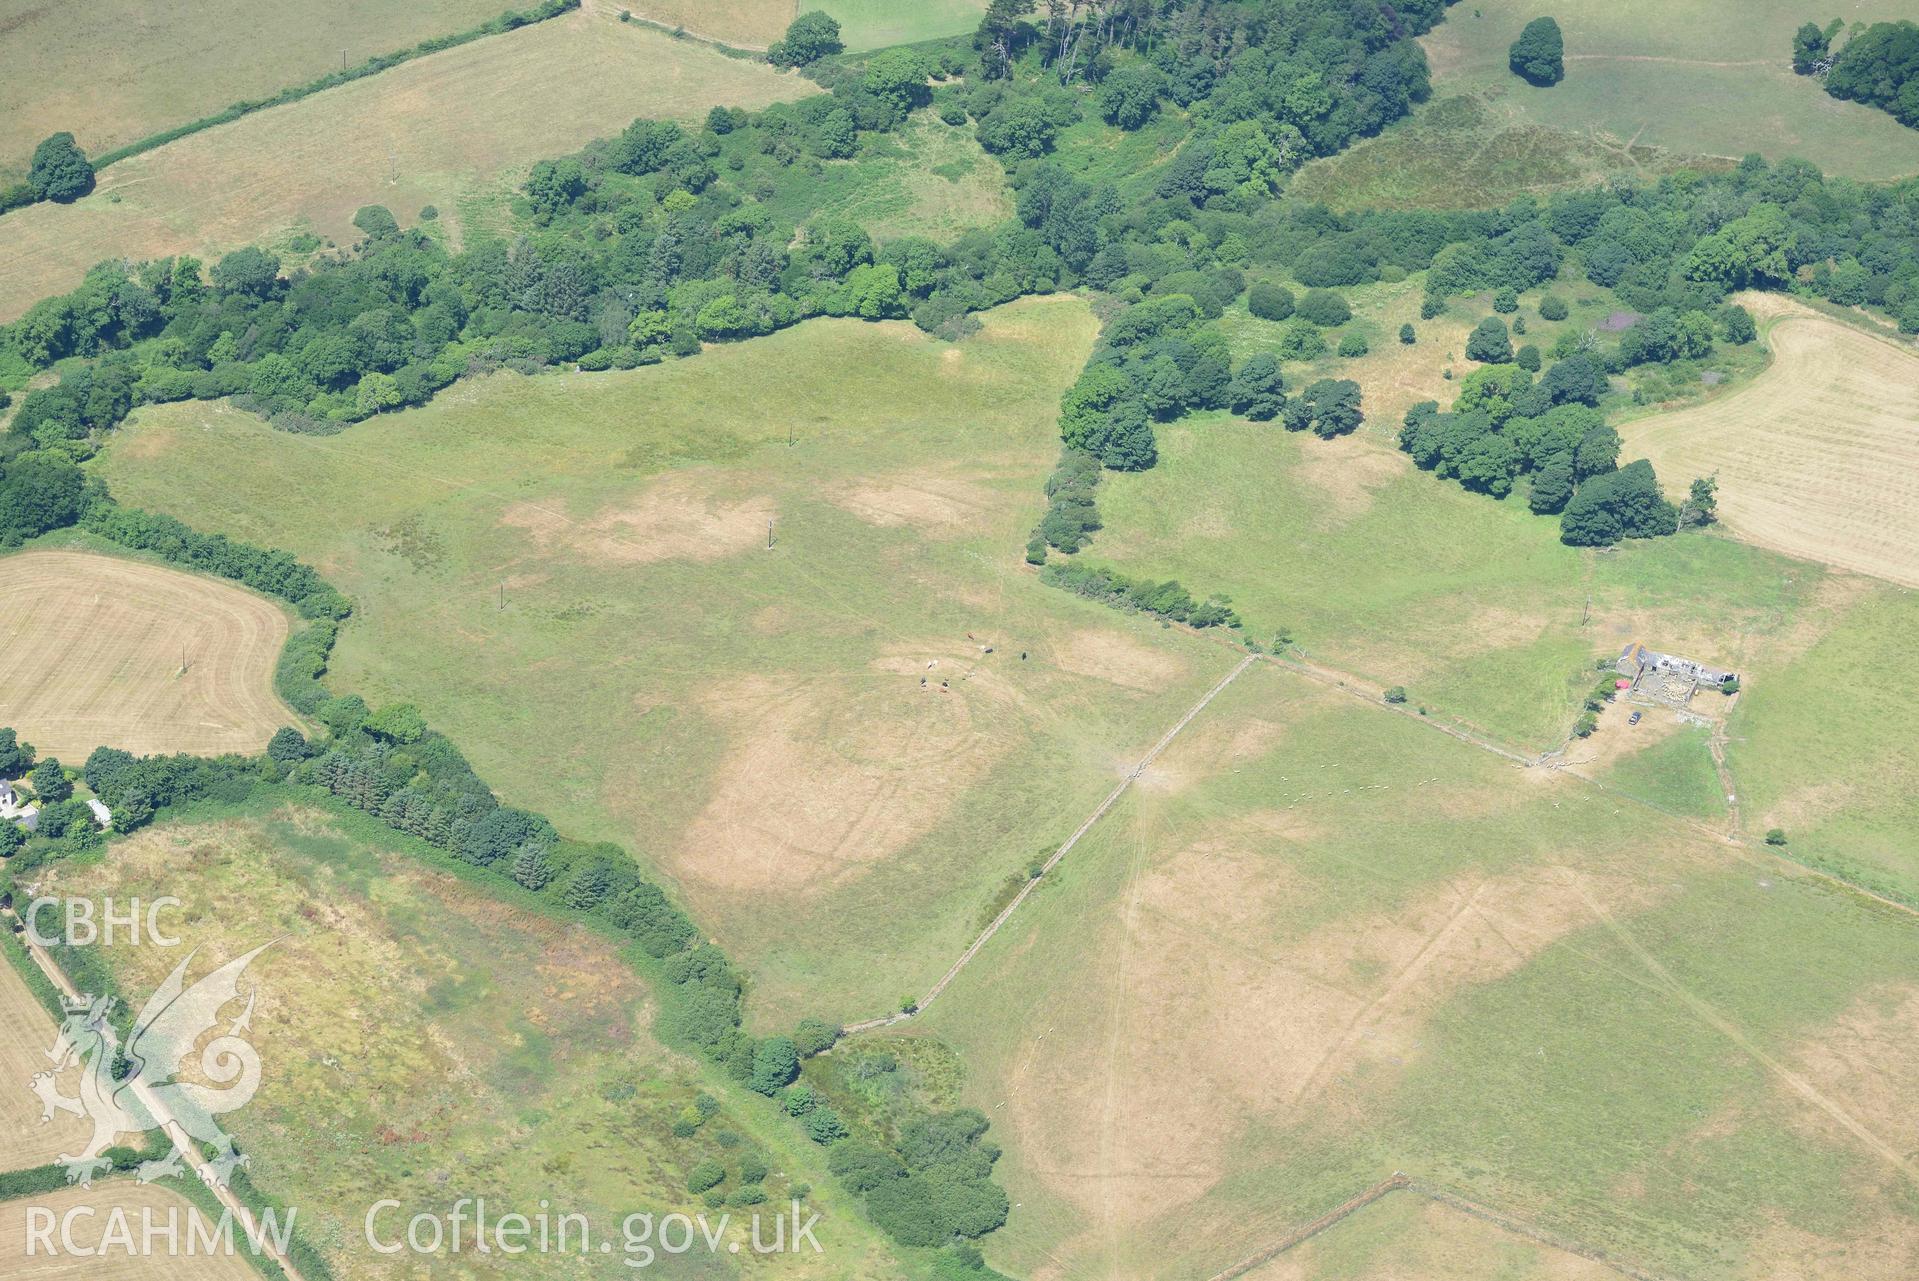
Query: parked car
column 1634, row 718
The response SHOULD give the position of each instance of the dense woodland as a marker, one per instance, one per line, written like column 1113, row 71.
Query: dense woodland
column 644, row 247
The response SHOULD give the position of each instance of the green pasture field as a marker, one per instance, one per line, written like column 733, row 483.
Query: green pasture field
column 423, row 1041
column 1471, row 603
column 1824, row 750
column 1676, row 774
column 1323, row 944
column 569, row 575
column 114, row 73
column 874, row 24
column 933, row 180
column 1697, row 77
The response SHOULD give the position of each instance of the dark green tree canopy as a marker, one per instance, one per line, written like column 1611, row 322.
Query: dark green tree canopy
column 809, row 37
column 1539, row 55
column 1809, row 48
column 1131, row 95
column 50, row 782
column 61, row 171
column 1258, row 389
column 1324, row 308
column 1488, row 342
column 1880, row 67
column 1269, row 301
column 1618, row 504
column 16, row 757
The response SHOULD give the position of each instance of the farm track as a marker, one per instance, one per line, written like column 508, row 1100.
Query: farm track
column 1112, row 798
column 183, row 1142
column 1731, row 1031
column 1367, row 694
column 1403, row 1182
column 1358, row 688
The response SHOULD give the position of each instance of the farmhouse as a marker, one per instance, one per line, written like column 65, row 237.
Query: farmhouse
column 1668, row 676
column 14, row 810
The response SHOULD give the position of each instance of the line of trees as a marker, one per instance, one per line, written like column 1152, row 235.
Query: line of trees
column 1166, row 600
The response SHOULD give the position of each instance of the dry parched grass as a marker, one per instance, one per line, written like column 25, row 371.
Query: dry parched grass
column 1818, row 456
column 90, row 652
column 1406, row 1237
column 825, row 778
column 681, row 517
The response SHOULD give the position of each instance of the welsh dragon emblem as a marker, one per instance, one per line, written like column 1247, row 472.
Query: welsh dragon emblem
column 148, row 1092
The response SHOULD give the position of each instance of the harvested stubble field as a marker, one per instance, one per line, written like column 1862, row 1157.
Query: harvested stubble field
column 26, row 1033
column 811, row 742
column 423, row 1040
column 1818, row 456
column 1321, row 943
column 1696, row 77
column 113, row 72
column 139, row 1205
column 91, row 648
column 450, row 130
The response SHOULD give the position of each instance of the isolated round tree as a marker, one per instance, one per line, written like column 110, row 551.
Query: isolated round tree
column 1539, row 55
column 61, row 171
column 808, row 37
column 1488, row 342
column 1269, row 301
column 1324, row 308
